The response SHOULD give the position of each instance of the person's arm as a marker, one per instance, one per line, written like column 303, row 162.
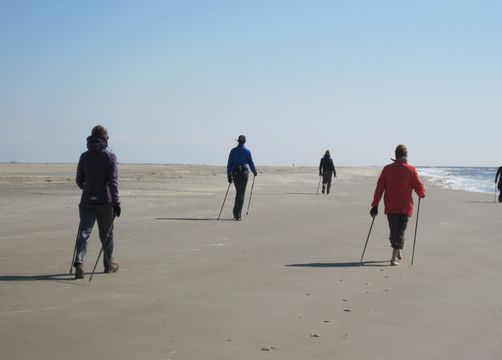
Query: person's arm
column 251, row 163
column 417, row 185
column 80, row 178
column 379, row 190
column 113, row 180
column 320, row 168
column 334, row 170
column 229, row 166
column 499, row 172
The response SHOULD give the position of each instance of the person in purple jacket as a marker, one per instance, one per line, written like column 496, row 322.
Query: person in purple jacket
column 97, row 176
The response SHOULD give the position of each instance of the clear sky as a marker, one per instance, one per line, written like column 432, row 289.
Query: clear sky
column 178, row 81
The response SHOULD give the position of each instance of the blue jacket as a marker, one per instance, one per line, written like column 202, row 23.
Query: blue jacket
column 97, row 174
column 240, row 156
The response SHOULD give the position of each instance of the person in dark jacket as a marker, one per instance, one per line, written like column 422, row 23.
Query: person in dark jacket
column 237, row 171
column 97, row 176
column 397, row 181
column 327, row 171
column 499, row 179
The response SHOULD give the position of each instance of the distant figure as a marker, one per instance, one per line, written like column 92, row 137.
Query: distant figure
column 397, row 180
column 499, row 186
column 238, row 172
column 327, row 171
column 97, row 176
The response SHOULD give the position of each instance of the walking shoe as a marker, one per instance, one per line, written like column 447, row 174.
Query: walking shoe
column 238, row 219
column 79, row 271
column 112, row 269
column 398, row 254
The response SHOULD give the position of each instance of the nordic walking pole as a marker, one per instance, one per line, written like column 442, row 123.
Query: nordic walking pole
column 102, row 248
column 318, row 185
column 415, row 238
column 75, row 250
column 250, row 196
column 364, row 250
column 224, row 201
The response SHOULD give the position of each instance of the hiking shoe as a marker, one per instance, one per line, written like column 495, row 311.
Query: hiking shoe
column 79, row 271
column 112, row 269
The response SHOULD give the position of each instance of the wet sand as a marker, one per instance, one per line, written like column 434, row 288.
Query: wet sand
column 283, row 284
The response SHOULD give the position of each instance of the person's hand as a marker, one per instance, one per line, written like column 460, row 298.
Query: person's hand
column 374, row 211
column 117, row 210
column 229, row 180
column 255, row 174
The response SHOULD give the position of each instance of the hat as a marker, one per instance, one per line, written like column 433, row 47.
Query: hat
column 242, row 139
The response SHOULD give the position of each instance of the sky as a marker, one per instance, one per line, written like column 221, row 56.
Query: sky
column 179, row 81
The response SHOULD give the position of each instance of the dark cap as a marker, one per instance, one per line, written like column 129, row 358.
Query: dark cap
column 242, row 139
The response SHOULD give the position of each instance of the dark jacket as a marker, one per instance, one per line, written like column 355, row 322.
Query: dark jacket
column 327, row 165
column 499, row 173
column 97, row 174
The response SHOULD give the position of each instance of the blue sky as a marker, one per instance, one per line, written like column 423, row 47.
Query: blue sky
column 178, row 81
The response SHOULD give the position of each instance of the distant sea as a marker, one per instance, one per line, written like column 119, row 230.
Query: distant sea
column 474, row 179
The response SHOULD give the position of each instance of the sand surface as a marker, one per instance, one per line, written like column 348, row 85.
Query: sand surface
column 283, row 284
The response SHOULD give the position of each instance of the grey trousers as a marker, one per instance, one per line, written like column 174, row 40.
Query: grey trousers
column 88, row 216
column 397, row 225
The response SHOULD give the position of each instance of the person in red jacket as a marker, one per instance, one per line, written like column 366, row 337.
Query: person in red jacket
column 396, row 183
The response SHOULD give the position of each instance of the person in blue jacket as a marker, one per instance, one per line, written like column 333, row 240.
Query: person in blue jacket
column 97, row 176
column 238, row 172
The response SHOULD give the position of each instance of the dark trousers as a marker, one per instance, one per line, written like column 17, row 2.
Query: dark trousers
column 397, row 225
column 326, row 180
column 88, row 216
column 240, row 178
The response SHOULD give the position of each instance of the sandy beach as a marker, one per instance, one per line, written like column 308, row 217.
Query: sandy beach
column 285, row 283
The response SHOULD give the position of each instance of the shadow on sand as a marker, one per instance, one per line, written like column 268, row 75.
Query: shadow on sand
column 482, row 202
column 63, row 278
column 343, row 264
column 191, row 219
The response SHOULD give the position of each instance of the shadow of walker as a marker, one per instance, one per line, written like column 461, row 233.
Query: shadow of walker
column 65, row 278
column 343, row 264
column 191, row 219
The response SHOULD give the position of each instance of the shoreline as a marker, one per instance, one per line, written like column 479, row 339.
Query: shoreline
column 65, row 172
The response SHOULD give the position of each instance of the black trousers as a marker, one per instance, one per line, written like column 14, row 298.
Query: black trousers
column 326, row 180
column 397, row 225
column 240, row 178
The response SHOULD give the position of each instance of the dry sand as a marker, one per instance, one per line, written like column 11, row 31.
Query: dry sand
column 283, row 284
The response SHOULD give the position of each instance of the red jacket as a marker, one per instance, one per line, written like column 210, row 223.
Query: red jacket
column 397, row 180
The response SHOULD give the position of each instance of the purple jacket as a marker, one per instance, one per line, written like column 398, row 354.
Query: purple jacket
column 97, row 174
